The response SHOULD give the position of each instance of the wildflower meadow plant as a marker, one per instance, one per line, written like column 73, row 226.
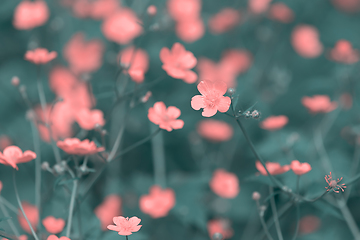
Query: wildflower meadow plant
column 179, row 119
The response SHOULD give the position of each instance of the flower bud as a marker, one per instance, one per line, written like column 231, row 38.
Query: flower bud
column 231, row 91
column 217, row 236
column 45, row 166
column 255, row 114
column 256, row 196
column 247, row 114
column 15, row 81
column 59, row 169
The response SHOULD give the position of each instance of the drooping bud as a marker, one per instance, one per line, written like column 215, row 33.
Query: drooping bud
column 256, row 196
column 15, row 81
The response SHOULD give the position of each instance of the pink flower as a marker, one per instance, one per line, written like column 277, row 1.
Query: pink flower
column 89, row 119
column 125, row 226
column 136, row 64
column 32, row 214
column 214, row 130
column 280, row 12
column 343, row 52
column 40, row 56
column 101, row 9
column 319, row 104
column 53, row 225
column 274, row 168
column 54, row 237
column 22, row 237
column 62, row 81
column 333, row 185
column 158, row 203
column 107, row 209
column 225, row 184
column 151, row 10
column 83, row 56
column 122, row 27
column 221, row 226
column 30, row 14
column 178, row 62
column 273, row 123
column 259, row 6
column 309, row 224
column 190, row 30
column 184, row 10
column 305, row 41
column 77, row 147
column 212, row 99
column 300, row 168
column 348, row 6
column 166, row 118
column 12, row 155
column 224, row 20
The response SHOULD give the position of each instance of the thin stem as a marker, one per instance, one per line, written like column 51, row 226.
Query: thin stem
column 21, row 207
column 127, row 237
column 349, row 218
column 275, row 213
column 10, row 222
column 297, row 208
column 266, row 230
column 9, row 205
column 158, row 154
column 71, row 208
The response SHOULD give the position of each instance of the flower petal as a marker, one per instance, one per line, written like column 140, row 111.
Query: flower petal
column 197, row 102
column 224, row 104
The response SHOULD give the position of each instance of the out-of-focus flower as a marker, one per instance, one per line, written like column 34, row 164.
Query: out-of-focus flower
column 300, row 168
column 259, row 6
column 83, row 56
column 125, row 226
column 348, row 6
column 32, row 214
column 158, row 203
column 225, row 184
column 5, row 141
column 221, row 226
column 280, row 12
column 15, row 81
column 40, row 56
column 224, row 20
column 89, row 119
column 274, row 168
column 309, row 224
column 333, row 185
column 214, row 130
column 30, row 14
column 22, row 237
column 305, row 41
column 184, row 10
column 212, row 99
column 53, row 225
column 343, row 52
column 54, row 237
column 136, row 63
column 191, row 30
column 101, row 9
column 319, row 104
column 122, row 27
column 151, row 10
column 273, row 123
column 13, row 155
column 166, row 118
column 77, row 147
column 177, row 62
column 107, row 209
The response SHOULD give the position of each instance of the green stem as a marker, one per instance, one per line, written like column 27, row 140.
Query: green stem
column 297, row 208
column 21, row 207
column 266, row 230
column 275, row 213
column 158, row 154
column 71, row 208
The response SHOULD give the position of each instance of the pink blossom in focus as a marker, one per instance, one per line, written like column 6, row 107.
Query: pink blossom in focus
column 32, row 214
column 305, row 41
column 343, row 52
column 274, row 168
column 259, row 6
column 125, row 226
column 122, row 27
column 300, row 168
column 212, row 99
column 30, row 14
column 184, row 10
column 83, row 56
column 40, row 56
column 158, row 202
column 13, row 155
column 89, row 119
column 166, row 118
column 280, row 12
column 273, row 123
column 53, row 225
column 191, row 30
column 110, row 207
column 221, row 226
column 136, row 64
column 54, row 237
column 225, row 184
column 215, row 130
column 319, row 104
column 333, row 185
column 177, row 62
column 224, row 21
column 309, row 224
column 77, row 147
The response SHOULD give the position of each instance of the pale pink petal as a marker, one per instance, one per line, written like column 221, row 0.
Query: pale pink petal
column 224, row 104
column 209, row 112
column 190, row 77
column 174, row 72
column 205, row 87
column 197, row 102
column 134, row 221
column 220, row 87
column 165, row 55
column 173, row 112
column 114, row 228
column 177, row 124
